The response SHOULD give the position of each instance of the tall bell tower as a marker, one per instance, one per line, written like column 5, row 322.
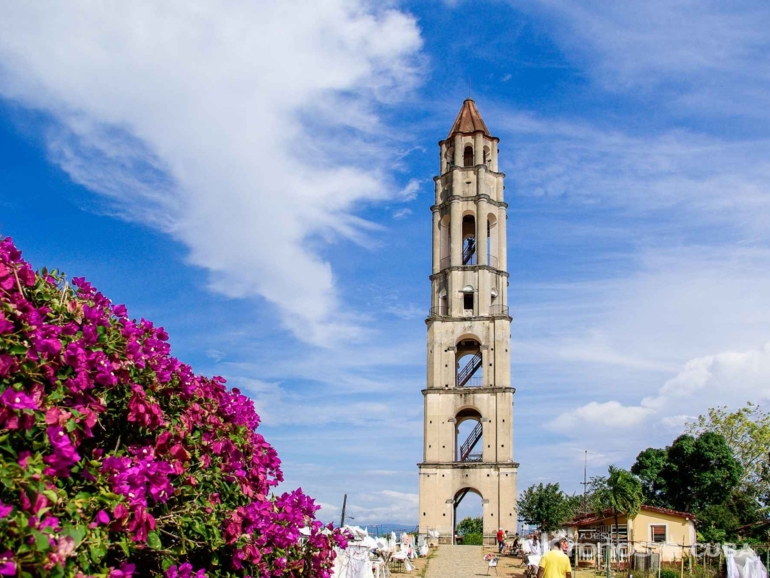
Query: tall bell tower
column 468, row 429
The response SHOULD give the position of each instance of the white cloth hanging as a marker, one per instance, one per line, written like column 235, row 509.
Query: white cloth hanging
column 743, row 563
column 535, row 548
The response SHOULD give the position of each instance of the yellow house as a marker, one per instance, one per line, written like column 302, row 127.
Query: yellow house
column 653, row 531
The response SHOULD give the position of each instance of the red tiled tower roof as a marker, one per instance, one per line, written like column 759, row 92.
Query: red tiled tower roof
column 468, row 120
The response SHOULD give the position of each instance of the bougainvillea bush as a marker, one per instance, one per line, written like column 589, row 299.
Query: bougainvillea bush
column 117, row 460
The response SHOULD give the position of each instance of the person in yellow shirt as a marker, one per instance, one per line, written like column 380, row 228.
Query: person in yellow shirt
column 555, row 564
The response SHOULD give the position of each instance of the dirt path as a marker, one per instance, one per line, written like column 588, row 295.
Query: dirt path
column 457, row 562
column 468, row 562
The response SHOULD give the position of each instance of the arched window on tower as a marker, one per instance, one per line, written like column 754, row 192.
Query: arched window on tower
column 468, row 364
column 443, row 308
column 445, row 241
column 468, row 299
column 468, row 156
column 492, row 241
column 469, row 432
column 450, row 157
column 487, row 156
column 469, row 240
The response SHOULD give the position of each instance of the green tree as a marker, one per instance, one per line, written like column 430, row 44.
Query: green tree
column 470, row 526
column 699, row 472
column 747, row 432
column 620, row 492
column 649, row 468
column 717, row 523
column 472, row 531
column 546, row 506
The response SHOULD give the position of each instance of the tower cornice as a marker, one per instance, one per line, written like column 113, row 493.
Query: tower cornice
column 442, row 319
column 487, row 136
column 466, row 390
column 469, row 268
column 470, row 465
column 457, row 198
column 467, row 170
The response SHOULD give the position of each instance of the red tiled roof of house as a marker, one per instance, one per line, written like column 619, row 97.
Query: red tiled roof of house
column 592, row 518
column 468, row 120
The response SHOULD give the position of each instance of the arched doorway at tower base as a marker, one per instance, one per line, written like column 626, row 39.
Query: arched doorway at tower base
column 464, row 508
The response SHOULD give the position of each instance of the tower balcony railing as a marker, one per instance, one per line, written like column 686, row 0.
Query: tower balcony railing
column 443, row 311
column 474, row 458
column 497, row 309
column 446, row 262
column 475, row 381
column 439, row 311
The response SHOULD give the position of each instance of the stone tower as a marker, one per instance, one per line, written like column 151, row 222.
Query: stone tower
column 469, row 375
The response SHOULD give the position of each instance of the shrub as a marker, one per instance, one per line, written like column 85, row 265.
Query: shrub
column 116, row 459
column 473, row 539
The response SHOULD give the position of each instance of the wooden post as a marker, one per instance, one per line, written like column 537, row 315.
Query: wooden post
column 342, row 518
column 660, row 560
column 681, row 563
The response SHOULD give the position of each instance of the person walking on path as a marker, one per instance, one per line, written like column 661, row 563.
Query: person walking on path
column 500, row 540
column 555, row 564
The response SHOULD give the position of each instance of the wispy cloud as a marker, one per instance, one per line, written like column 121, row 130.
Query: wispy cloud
column 707, row 56
column 186, row 119
column 719, row 180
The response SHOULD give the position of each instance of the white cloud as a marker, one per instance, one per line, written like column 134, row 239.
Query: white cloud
column 386, row 505
column 610, row 414
column 618, row 365
column 727, row 378
column 242, row 129
column 667, row 174
column 710, row 55
column 278, row 406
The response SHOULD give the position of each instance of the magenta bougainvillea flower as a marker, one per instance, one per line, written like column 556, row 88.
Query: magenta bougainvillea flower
column 119, row 461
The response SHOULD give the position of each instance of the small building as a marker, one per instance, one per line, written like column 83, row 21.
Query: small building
column 657, row 531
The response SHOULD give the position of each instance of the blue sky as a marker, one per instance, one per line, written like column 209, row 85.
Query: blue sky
column 256, row 177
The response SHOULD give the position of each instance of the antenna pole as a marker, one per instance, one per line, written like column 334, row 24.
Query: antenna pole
column 344, row 503
column 585, row 481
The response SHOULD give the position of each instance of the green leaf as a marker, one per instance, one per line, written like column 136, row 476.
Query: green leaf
column 41, row 541
column 153, row 540
column 18, row 350
column 76, row 532
column 98, row 551
column 51, row 495
column 124, row 546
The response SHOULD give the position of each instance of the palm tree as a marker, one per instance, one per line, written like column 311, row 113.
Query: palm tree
column 620, row 492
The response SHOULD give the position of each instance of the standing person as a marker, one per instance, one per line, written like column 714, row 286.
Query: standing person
column 500, row 540
column 555, row 564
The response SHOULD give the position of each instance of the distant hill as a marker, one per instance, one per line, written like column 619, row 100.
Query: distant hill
column 382, row 529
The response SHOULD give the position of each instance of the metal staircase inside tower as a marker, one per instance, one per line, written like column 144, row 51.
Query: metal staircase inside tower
column 459, row 497
column 470, row 368
column 469, row 250
column 469, row 444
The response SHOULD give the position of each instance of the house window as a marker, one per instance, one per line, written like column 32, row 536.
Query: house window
column 658, row 534
column 468, row 301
